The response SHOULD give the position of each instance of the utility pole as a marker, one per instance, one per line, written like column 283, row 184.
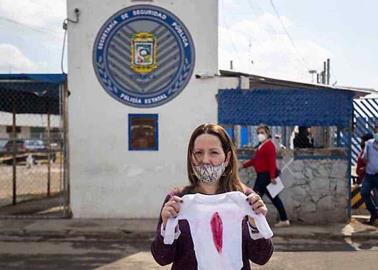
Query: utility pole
column 328, row 70
column 324, row 77
column 231, row 65
column 250, row 60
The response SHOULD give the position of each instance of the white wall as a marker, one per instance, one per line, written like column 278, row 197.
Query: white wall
column 107, row 180
column 30, row 120
column 24, row 134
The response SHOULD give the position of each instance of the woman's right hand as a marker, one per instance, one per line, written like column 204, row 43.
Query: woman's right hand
column 171, row 209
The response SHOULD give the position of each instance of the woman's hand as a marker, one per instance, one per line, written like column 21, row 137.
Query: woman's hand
column 257, row 204
column 171, row 209
column 274, row 180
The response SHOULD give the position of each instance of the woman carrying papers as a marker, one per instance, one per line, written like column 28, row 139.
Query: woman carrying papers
column 264, row 163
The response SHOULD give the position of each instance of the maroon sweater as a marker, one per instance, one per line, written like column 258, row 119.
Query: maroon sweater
column 181, row 252
column 264, row 160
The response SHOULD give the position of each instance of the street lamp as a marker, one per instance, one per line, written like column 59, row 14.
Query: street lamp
column 312, row 72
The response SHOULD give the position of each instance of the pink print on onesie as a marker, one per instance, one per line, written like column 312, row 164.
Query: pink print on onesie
column 217, row 230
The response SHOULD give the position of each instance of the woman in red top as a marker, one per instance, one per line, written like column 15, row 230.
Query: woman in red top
column 264, row 163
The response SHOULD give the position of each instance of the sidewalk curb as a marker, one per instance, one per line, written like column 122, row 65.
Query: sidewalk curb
column 144, row 236
column 145, row 230
column 121, row 235
column 357, row 236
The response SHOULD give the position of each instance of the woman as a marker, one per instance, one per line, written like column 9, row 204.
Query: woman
column 212, row 169
column 265, row 165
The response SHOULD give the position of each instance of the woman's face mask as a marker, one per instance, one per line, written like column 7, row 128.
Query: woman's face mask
column 261, row 137
column 208, row 160
column 208, row 173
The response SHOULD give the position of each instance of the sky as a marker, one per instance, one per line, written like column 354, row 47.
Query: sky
column 275, row 38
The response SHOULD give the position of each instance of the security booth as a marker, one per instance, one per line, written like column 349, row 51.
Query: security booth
column 317, row 172
column 33, row 138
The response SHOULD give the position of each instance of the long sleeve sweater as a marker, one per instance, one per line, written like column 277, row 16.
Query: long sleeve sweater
column 182, row 255
column 264, row 159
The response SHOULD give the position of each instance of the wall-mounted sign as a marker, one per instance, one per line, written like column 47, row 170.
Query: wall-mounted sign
column 143, row 56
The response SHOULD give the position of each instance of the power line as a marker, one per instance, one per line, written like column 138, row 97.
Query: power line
column 231, row 39
column 63, row 49
column 271, row 32
column 288, row 35
column 35, row 29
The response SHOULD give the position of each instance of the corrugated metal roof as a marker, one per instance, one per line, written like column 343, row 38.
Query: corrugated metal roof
column 261, row 82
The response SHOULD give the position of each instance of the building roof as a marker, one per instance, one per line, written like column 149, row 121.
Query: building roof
column 53, row 78
column 261, row 82
column 31, row 93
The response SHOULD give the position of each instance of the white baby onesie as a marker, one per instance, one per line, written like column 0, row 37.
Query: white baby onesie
column 216, row 227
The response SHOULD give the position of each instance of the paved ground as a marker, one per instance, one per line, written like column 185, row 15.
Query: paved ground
column 124, row 244
column 108, row 253
column 322, row 261
column 144, row 228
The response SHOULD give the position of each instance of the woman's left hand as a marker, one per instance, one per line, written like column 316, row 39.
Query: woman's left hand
column 257, row 204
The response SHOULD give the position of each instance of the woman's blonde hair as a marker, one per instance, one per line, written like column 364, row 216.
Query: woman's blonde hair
column 230, row 180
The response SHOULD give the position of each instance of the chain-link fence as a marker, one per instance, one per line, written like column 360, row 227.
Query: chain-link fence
column 365, row 119
column 33, row 175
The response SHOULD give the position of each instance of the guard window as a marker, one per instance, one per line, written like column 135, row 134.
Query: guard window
column 143, row 132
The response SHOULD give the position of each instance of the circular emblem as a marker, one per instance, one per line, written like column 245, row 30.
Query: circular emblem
column 143, row 56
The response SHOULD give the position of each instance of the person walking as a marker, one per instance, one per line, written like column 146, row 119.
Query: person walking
column 265, row 166
column 370, row 182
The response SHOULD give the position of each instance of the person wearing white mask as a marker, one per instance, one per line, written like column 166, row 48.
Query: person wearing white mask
column 265, row 166
column 370, row 156
column 212, row 168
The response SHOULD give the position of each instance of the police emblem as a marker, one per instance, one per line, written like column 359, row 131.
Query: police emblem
column 143, row 56
column 143, row 52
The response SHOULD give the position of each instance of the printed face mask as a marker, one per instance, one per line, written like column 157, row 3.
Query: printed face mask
column 208, row 173
column 261, row 137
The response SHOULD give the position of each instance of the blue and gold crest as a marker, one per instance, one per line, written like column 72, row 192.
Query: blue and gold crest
column 143, row 52
column 143, row 56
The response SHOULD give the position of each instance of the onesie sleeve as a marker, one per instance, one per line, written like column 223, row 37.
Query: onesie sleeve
column 258, row 251
column 162, row 253
column 255, row 247
column 254, row 232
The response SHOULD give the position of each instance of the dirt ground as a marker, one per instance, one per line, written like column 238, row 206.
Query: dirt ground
column 30, row 182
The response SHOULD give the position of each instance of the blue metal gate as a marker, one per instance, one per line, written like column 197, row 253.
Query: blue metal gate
column 365, row 118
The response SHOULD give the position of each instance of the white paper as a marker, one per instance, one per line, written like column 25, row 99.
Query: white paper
column 275, row 189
